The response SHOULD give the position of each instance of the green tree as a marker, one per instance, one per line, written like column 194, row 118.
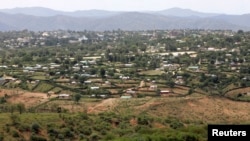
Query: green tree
column 170, row 83
column 77, row 97
column 35, row 127
column 20, row 107
column 102, row 72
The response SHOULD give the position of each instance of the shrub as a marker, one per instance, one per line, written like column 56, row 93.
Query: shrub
column 94, row 137
column 109, row 137
column 60, row 136
column 23, row 127
column 68, row 133
column 52, row 132
column 144, row 120
column 35, row 127
column 15, row 134
column 86, row 131
column 84, row 116
column 1, row 137
column 190, row 137
column 15, row 119
column 37, row 138
column 176, row 124
column 2, row 100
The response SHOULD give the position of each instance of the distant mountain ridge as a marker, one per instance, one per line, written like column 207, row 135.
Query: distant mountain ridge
column 46, row 12
column 185, row 13
column 38, row 18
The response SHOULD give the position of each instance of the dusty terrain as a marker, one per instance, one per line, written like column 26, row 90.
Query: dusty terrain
column 27, row 98
column 199, row 108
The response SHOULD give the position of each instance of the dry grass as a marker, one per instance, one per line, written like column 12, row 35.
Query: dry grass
column 194, row 109
column 237, row 91
column 29, row 99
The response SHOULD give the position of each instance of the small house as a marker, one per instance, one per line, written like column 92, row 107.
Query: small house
column 94, row 88
column 165, row 91
column 126, row 97
column 153, row 87
column 193, row 68
column 130, row 92
column 2, row 81
column 87, row 82
column 128, row 65
column 64, row 96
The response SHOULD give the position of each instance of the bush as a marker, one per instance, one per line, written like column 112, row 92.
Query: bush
column 68, row 133
column 94, row 137
column 2, row 100
column 144, row 120
column 1, row 138
column 109, row 137
column 15, row 134
column 37, row 138
column 23, row 127
column 52, row 132
column 60, row 136
column 190, row 137
column 86, row 131
column 176, row 124
column 84, row 116
column 15, row 119
column 35, row 127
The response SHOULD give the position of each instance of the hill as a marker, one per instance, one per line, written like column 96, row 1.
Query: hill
column 179, row 12
column 46, row 12
column 38, row 18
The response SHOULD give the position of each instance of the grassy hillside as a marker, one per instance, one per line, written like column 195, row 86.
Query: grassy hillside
column 169, row 118
column 104, row 126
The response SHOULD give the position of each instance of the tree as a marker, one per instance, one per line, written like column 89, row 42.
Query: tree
column 35, row 127
column 77, row 97
column 158, row 92
column 170, row 83
column 102, row 72
column 20, row 107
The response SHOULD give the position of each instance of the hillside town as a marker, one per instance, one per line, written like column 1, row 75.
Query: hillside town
column 117, row 63
column 131, row 85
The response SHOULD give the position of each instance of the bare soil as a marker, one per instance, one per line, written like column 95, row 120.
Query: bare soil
column 27, row 98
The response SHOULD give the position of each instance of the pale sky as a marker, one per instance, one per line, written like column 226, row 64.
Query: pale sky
column 211, row 6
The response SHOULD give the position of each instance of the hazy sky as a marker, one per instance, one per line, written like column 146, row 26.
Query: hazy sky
column 213, row 6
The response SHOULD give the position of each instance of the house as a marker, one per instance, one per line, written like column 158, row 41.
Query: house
column 99, row 96
column 2, row 81
column 153, row 87
column 51, row 92
column 248, row 93
column 92, row 62
column 124, row 77
column 128, row 65
column 64, row 96
column 164, row 92
column 103, row 96
column 126, row 97
column 94, row 88
column 129, row 91
column 87, row 82
column 193, row 68
column 75, row 68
